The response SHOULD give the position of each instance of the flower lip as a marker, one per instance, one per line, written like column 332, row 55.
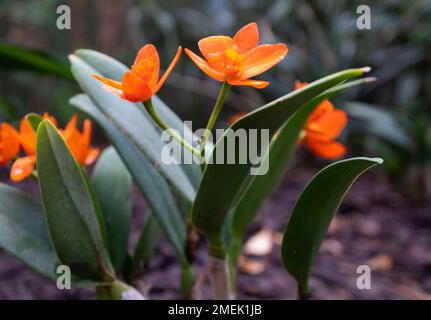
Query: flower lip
column 236, row 60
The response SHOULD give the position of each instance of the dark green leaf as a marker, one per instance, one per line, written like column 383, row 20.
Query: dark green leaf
column 113, row 188
column 313, row 213
column 76, row 229
column 23, row 231
column 153, row 186
column 277, row 160
column 221, row 182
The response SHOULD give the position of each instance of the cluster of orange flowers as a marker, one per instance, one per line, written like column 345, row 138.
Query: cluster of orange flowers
column 232, row 60
column 11, row 141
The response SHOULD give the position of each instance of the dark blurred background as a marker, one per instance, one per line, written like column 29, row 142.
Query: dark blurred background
column 389, row 118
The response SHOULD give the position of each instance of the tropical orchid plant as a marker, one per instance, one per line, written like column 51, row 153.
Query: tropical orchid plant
column 84, row 221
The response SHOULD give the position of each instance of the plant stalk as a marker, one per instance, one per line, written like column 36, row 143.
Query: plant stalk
column 215, row 113
column 159, row 121
column 219, row 277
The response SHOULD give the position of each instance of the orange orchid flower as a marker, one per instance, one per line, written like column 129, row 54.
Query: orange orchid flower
column 236, row 60
column 323, row 126
column 142, row 82
column 9, row 143
column 24, row 166
column 79, row 144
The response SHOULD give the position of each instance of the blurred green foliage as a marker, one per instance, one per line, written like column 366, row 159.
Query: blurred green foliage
column 321, row 35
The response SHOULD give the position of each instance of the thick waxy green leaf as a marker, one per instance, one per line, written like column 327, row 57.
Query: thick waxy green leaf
column 74, row 223
column 153, row 186
column 113, row 69
column 280, row 153
column 34, row 120
column 23, row 231
column 131, row 120
column 13, row 57
column 221, row 182
column 112, row 184
column 313, row 213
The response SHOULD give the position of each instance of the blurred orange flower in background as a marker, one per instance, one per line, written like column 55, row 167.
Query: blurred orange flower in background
column 142, row 82
column 323, row 126
column 24, row 166
column 236, row 60
column 79, row 144
column 9, row 143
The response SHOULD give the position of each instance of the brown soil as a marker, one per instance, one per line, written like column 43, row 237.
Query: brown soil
column 375, row 226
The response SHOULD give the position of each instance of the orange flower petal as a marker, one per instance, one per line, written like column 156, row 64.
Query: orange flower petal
column 213, row 49
column 135, row 89
column 86, row 132
column 70, row 127
column 10, row 143
column 147, row 65
column 92, row 155
column 22, row 168
column 247, row 37
column 262, row 58
column 331, row 124
column 147, row 51
column 27, row 137
column 329, row 150
column 249, row 82
column 204, row 66
column 322, row 109
column 109, row 82
column 169, row 70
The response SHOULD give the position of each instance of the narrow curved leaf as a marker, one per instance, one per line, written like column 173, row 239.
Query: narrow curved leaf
column 278, row 158
column 313, row 213
column 23, row 231
column 221, row 182
column 153, row 186
column 75, row 227
column 112, row 185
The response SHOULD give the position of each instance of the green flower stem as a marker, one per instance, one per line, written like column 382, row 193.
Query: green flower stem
column 216, row 111
column 149, row 106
